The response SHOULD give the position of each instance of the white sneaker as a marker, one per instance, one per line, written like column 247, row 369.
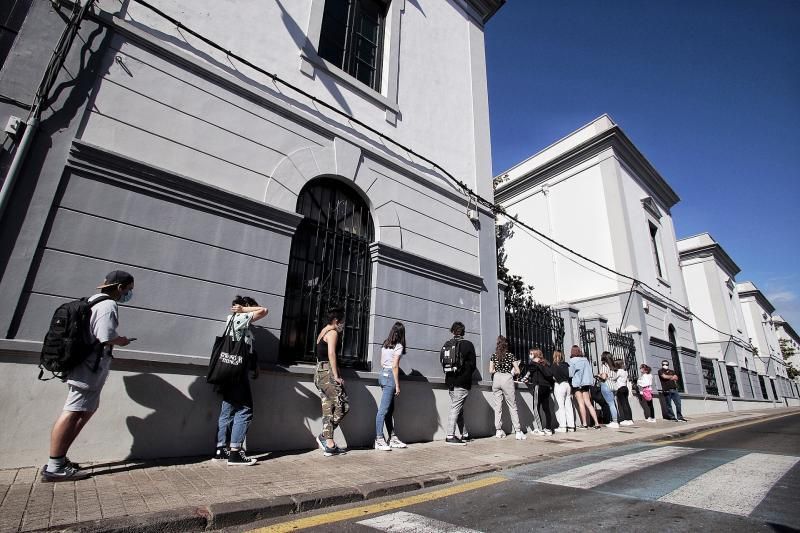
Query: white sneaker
column 613, row 425
column 626, row 423
column 520, row 435
column 538, row 432
column 500, row 434
column 394, row 442
column 651, row 420
column 561, row 430
column 547, row 432
column 380, row 444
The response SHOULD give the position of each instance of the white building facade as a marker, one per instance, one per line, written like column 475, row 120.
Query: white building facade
column 206, row 178
column 789, row 337
column 758, row 318
column 730, row 367
column 594, row 192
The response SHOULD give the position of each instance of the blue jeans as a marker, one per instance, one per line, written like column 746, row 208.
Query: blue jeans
column 608, row 396
column 675, row 397
column 240, row 416
column 386, row 409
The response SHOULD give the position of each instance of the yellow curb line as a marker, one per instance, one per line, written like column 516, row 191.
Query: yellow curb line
column 357, row 512
column 709, row 432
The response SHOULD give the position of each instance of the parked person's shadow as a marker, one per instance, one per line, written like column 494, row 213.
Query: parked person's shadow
column 358, row 427
column 179, row 426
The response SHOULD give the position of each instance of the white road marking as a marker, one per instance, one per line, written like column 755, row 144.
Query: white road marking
column 736, row 487
column 403, row 522
column 586, row 477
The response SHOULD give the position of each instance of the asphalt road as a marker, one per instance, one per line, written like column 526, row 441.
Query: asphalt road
column 741, row 479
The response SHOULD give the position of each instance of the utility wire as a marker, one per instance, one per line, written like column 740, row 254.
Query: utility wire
column 494, row 208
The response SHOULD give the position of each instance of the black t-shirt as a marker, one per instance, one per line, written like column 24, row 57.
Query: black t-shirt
column 561, row 372
column 667, row 384
column 462, row 379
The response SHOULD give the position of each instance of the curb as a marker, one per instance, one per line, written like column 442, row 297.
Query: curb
column 222, row 515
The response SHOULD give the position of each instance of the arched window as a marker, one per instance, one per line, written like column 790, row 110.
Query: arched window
column 329, row 264
column 676, row 358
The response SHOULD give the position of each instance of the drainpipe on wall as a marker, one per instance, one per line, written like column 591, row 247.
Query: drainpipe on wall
column 16, row 164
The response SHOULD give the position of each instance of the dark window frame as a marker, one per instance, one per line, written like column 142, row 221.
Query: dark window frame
column 344, row 47
column 653, row 230
column 733, row 380
column 709, row 376
column 676, row 357
column 329, row 264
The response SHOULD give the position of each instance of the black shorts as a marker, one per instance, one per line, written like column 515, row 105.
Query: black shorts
column 584, row 388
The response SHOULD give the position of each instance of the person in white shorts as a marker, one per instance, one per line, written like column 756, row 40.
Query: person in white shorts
column 85, row 382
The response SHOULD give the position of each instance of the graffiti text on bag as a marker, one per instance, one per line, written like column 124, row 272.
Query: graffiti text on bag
column 230, row 359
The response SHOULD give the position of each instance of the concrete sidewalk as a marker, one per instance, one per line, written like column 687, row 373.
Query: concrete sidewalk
column 196, row 494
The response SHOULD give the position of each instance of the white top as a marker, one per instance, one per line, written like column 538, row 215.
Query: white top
column 610, row 373
column 621, row 378
column 241, row 326
column 388, row 355
column 645, row 380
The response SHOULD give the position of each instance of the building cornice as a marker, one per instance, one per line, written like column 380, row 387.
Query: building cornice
column 421, row 266
column 717, row 252
column 485, row 9
column 104, row 165
column 747, row 289
column 613, row 138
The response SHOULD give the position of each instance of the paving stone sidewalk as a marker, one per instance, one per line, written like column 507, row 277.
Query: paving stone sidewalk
column 195, row 494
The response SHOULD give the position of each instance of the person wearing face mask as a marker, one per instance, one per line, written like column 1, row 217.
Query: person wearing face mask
column 669, row 388
column 329, row 382
column 86, row 381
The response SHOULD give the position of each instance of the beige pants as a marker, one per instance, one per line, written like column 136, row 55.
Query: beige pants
column 503, row 388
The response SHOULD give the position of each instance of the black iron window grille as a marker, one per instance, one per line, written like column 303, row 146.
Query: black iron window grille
column 530, row 325
column 733, row 381
column 709, row 377
column 754, row 377
column 676, row 358
column 329, row 264
column 351, row 38
column 763, row 387
column 623, row 348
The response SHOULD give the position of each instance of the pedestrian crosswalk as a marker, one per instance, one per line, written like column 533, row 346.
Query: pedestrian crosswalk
column 752, row 486
column 735, row 483
column 403, row 522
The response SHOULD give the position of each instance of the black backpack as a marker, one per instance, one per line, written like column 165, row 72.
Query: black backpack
column 67, row 343
column 450, row 356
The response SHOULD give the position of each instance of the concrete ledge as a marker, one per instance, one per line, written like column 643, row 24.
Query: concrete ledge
column 387, row 488
column 222, row 515
column 326, row 498
column 432, row 480
column 185, row 519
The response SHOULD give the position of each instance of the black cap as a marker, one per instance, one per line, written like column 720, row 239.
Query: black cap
column 116, row 277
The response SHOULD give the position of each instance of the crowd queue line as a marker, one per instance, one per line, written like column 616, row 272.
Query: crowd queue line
column 569, row 382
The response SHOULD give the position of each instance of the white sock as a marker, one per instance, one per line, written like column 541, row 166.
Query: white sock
column 56, row 463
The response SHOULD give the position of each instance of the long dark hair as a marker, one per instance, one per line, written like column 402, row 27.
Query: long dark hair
column 606, row 358
column 502, row 345
column 397, row 335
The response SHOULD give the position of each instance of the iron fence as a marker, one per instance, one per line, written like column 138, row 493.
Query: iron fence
column 623, row 348
column 531, row 325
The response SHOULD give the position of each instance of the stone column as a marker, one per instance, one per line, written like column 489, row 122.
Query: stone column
column 572, row 333
column 501, row 299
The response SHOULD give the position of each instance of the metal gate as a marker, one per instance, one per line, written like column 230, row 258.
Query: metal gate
column 532, row 325
column 623, row 348
column 589, row 345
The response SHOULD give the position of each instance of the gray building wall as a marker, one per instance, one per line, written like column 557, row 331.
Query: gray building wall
column 188, row 177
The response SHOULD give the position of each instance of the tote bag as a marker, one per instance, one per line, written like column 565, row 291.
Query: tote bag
column 228, row 358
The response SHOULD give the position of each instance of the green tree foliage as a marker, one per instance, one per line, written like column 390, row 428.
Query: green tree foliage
column 788, row 351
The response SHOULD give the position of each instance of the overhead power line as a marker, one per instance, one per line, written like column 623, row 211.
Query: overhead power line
column 489, row 204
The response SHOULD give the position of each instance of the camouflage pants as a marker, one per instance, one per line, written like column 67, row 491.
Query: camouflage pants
column 334, row 399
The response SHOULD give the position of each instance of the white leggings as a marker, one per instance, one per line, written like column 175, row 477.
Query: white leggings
column 565, row 414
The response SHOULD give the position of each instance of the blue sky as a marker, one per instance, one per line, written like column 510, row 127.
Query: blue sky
column 708, row 90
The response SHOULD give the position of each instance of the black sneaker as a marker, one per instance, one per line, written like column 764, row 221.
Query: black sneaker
column 65, row 473
column 455, row 441
column 222, row 454
column 238, row 458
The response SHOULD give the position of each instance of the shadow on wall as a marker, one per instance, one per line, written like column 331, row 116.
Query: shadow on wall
column 358, row 427
column 416, row 417
column 179, row 425
column 282, row 417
